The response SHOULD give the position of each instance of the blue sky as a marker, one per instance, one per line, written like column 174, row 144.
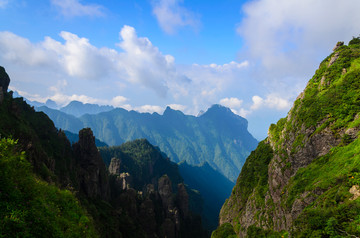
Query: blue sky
column 252, row 56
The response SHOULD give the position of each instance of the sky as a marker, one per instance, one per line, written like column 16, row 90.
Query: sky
column 253, row 56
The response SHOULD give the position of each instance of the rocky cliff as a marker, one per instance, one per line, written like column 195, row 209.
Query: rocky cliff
column 298, row 181
column 92, row 173
column 149, row 189
column 4, row 83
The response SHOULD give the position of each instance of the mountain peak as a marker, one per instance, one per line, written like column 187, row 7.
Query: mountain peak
column 219, row 113
column 218, row 109
column 172, row 112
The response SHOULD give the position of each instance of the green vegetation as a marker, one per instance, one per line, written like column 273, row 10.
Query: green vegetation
column 254, row 231
column 40, row 139
column 355, row 41
column 224, row 231
column 254, row 175
column 332, row 95
column 333, row 213
column 142, row 159
column 30, row 207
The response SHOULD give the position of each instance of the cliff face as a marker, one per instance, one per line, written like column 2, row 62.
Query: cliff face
column 92, row 174
column 309, row 161
column 148, row 189
column 4, row 83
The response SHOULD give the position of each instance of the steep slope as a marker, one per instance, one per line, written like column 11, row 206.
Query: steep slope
column 303, row 180
column 217, row 137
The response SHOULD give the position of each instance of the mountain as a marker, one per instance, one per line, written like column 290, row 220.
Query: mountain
column 50, row 188
column 218, row 136
column 78, row 109
column 304, row 179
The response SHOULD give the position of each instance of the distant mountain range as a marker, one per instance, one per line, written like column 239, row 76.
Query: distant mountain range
column 217, row 136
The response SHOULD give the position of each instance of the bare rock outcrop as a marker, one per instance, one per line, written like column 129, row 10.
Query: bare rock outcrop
column 93, row 178
column 4, row 83
column 165, row 191
column 114, row 167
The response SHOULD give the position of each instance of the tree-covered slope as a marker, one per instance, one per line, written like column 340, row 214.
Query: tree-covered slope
column 142, row 159
column 217, row 137
column 303, row 180
column 30, row 207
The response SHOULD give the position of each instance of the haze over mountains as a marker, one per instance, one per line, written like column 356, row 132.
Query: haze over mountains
column 218, row 136
column 210, row 148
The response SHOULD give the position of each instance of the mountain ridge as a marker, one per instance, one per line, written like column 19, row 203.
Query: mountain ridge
column 223, row 147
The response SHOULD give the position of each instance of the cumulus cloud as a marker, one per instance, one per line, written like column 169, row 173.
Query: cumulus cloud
column 119, row 101
column 144, row 63
column 79, row 58
column 231, row 102
column 73, row 8
column 138, row 61
column 271, row 101
column 16, row 49
column 290, row 37
column 171, row 15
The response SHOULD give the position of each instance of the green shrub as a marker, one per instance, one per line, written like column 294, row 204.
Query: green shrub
column 355, row 41
column 30, row 207
column 224, row 231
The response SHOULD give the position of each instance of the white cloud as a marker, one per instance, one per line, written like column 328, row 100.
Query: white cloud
column 63, row 99
column 144, row 63
column 271, row 101
column 79, row 58
column 231, row 102
column 209, row 82
column 291, row 37
column 226, row 67
column 171, row 15
column 3, row 3
column 149, row 109
column 119, row 101
column 177, row 107
column 139, row 63
column 73, row 8
column 16, row 49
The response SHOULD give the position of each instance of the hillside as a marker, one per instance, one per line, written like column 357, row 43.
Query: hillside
column 50, row 188
column 303, row 180
column 218, row 136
